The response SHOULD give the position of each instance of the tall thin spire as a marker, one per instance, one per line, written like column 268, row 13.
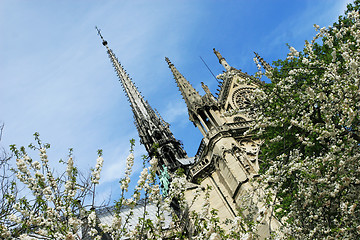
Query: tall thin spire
column 265, row 65
column 153, row 130
column 139, row 106
column 190, row 95
column 222, row 60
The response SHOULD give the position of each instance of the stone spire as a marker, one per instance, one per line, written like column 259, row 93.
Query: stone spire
column 265, row 65
column 153, row 131
column 191, row 96
column 222, row 60
column 139, row 106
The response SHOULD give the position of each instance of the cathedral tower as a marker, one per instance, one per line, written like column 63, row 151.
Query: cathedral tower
column 227, row 159
column 222, row 121
column 153, row 131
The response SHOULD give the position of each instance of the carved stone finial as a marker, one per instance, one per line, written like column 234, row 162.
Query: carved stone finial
column 218, row 55
column 222, row 60
column 206, row 88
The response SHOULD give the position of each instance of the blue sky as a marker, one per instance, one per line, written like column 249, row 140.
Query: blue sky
column 56, row 78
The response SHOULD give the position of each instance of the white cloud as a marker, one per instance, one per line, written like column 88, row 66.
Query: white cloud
column 174, row 110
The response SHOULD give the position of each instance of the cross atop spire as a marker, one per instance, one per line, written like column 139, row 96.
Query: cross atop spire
column 222, row 60
column 99, row 33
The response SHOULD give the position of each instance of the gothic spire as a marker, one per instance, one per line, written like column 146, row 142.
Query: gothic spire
column 143, row 113
column 265, row 65
column 222, row 60
column 190, row 95
column 138, row 105
column 153, row 130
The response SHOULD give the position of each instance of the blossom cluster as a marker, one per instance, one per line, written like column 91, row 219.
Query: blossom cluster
column 309, row 119
column 51, row 207
column 96, row 171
